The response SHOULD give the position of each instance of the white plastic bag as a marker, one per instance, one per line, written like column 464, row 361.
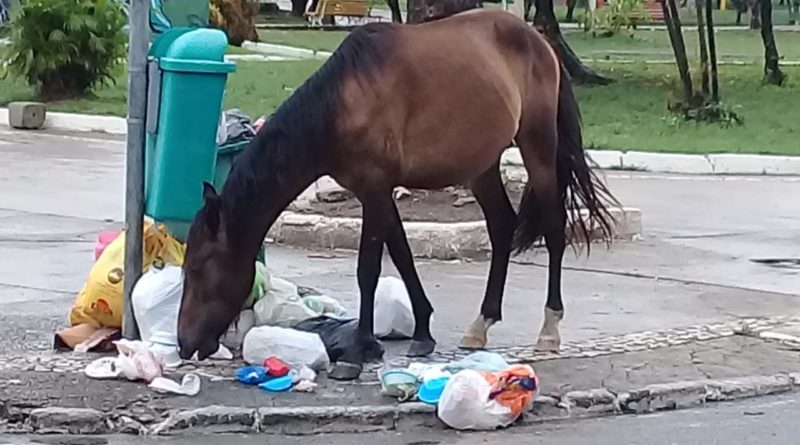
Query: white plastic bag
column 394, row 317
column 156, row 304
column 281, row 305
column 465, row 404
column 234, row 337
column 324, row 305
column 296, row 348
column 137, row 362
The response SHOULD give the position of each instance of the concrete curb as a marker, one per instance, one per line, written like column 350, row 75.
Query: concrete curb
column 285, row 50
column 437, row 240
column 78, row 122
column 713, row 164
column 599, row 402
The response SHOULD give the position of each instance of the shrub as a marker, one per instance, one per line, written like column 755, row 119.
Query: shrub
column 236, row 18
column 614, row 16
column 65, row 47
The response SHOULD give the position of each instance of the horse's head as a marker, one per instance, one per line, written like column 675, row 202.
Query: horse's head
column 217, row 279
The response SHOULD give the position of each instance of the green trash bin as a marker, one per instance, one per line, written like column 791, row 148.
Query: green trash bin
column 187, row 73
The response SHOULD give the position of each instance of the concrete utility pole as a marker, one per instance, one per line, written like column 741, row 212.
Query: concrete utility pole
column 138, row 39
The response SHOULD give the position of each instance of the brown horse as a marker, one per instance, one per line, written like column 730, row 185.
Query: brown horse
column 422, row 106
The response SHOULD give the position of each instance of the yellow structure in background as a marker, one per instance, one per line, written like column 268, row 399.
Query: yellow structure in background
column 723, row 5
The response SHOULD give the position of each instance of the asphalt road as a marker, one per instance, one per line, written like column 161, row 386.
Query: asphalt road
column 764, row 421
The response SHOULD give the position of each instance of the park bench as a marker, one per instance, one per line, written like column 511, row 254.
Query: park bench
column 341, row 8
column 653, row 8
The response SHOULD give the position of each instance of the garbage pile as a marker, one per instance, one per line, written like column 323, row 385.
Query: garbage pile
column 480, row 392
column 279, row 321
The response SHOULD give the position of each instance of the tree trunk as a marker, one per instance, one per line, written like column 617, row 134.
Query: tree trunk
column 755, row 14
column 298, row 8
column 712, row 52
column 701, row 36
column 678, row 47
column 772, row 71
column 394, row 6
column 571, row 10
column 545, row 21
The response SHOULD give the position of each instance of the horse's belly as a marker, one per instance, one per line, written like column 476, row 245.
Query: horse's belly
column 444, row 165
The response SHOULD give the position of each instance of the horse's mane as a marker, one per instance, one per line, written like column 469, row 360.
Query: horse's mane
column 304, row 126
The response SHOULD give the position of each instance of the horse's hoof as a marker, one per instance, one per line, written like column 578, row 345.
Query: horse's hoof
column 548, row 344
column 345, row 371
column 421, row 348
column 471, row 343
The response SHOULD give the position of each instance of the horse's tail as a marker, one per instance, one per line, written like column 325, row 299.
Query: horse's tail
column 580, row 188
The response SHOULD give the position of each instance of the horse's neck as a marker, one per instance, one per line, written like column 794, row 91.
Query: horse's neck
column 268, row 201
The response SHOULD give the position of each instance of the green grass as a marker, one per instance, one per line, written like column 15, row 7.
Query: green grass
column 631, row 114
column 311, row 39
column 731, row 45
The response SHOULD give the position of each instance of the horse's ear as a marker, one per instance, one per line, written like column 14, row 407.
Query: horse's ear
column 209, row 193
column 211, row 206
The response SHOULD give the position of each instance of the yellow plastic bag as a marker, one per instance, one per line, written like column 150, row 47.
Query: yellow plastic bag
column 100, row 301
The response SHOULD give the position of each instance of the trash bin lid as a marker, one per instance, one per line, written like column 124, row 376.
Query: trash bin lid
column 196, row 66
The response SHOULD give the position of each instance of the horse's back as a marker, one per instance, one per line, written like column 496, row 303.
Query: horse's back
column 442, row 85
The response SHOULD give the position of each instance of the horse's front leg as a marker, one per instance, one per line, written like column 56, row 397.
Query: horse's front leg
column 374, row 230
column 422, row 343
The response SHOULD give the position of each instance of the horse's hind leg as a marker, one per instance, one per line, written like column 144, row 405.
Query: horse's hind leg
column 542, row 212
column 500, row 221
column 422, row 343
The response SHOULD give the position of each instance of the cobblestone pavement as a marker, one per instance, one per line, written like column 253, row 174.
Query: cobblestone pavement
column 764, row 328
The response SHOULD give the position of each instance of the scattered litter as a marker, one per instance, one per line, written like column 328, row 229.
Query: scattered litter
column 137, row 362
column 431, row 391
column 276, row 367
column 252, row 375
column 281, row 306
column 189, row 385
column 294, row 347
column 156, row 302
column 103, row 240
column 479, row 361
column 100, row 300
column 481, row 401
column 428, row 372
column 341, row 339
column 304, row 374
column 234, row 126
column 103, row 368
column 394, row 317
column 86, row 337
column 323, row 305
column 305, row 386
column 279, row 384
column 260, row 122
column 400, row 384
column 400, row 192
